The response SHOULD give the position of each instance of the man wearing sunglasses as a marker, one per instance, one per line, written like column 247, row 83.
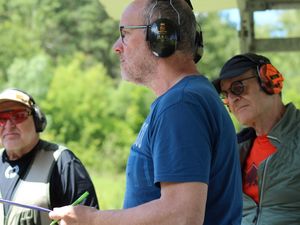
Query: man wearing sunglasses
column 251, row 87
column 34, row 171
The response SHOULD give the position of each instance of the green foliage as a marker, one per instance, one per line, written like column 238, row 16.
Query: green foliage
column 96, row 116
column 110, row 189
column 220, row 43
column 32, row 75
column 16, row 42
column 289, row 19
column 72, row 26
column 59, row 28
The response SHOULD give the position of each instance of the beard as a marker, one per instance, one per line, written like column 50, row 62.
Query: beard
column 139, row 69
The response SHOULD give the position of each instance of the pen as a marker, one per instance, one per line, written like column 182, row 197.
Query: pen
column 77, row 202
column 25, row 205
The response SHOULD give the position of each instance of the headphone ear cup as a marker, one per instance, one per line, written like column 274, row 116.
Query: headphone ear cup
column 163, row 36
column 271, row 79
column 198, row 46
column 39, row 118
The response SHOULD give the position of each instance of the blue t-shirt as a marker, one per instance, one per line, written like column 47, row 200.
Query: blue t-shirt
column 188, row 136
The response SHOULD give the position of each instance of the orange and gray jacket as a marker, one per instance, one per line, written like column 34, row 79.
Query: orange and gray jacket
column 278, row 175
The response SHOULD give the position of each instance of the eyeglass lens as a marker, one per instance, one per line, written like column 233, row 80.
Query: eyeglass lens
column 237, row 88
column 15, row 116
column 123, row 33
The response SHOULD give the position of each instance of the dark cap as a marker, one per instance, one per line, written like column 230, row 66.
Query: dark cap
column 238, row 65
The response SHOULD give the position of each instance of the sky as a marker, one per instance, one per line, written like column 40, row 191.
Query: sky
column 260, row 17
column 267, row 17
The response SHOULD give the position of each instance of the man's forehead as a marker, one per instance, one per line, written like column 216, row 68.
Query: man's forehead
column 133, row 14
column 10, row 105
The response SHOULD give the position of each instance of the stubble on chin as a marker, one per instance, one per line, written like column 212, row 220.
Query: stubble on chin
column 141, row 72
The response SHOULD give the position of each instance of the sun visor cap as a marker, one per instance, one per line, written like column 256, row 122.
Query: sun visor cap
column 16, row 96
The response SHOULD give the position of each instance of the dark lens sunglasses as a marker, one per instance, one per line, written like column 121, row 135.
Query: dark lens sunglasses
column 237, row 88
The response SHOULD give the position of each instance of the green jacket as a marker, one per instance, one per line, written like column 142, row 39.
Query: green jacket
column 278, row 175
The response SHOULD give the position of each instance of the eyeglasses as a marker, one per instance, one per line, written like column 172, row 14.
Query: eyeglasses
column 15, row 116
column 237, row 88
column 123, row 33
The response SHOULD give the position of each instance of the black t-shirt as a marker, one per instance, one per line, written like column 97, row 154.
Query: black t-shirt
column 69, row 178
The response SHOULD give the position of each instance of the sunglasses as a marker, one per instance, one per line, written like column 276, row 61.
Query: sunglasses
column 15, row 116
column 237, row 88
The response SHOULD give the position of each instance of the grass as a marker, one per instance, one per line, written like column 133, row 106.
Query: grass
column 110, row 189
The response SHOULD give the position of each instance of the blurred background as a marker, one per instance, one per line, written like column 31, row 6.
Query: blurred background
column 60, row 51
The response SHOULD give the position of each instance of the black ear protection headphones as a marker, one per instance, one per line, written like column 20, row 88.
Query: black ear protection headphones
column 270, row 79
column 198, row 45
column 163, row 35
column 39, row 117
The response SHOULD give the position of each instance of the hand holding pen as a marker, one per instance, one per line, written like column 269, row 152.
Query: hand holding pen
column 38, row 208
column 77, row 202
column 79, row 215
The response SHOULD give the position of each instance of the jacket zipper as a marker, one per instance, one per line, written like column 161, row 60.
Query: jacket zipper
column 256, row 218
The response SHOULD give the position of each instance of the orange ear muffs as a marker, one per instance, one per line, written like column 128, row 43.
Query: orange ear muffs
column 271, row 79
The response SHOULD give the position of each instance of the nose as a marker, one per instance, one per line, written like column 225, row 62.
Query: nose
column 8, row 123
column 232, row 98
column 118, row 46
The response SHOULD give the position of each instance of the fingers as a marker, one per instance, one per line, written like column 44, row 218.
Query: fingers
column 69, row 215
column 60, row 213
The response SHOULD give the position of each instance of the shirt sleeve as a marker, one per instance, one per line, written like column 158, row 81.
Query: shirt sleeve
column 69, row 180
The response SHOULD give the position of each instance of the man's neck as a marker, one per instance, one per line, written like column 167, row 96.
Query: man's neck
column 264, row 125
column 169, row 74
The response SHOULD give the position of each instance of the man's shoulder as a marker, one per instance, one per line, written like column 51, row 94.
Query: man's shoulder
column 51, row 146
column 187, row 88
column 58, row 150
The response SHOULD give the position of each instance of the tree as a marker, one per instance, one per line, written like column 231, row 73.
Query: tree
column 33, row 75
column 94, row 115
column 73, row 26
column 218, row 46
column 58, row 28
